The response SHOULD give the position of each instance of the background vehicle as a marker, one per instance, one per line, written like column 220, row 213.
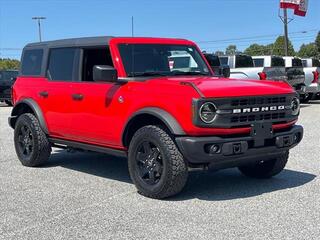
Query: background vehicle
column 122, row 96
column 216, row 66
column 311, row 68
column 242, row 67
column 295, row 74
column 274, row 66
column 7, row 78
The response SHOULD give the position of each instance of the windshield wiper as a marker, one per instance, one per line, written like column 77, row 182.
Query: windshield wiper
column 147, row 74
column 190, row 74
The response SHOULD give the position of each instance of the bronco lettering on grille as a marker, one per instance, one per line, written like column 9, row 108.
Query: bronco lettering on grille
column 258, row 109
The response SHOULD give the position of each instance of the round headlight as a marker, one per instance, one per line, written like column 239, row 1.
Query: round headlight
column 207, row 112
column 295, row 106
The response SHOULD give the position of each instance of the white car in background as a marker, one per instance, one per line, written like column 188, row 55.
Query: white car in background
column 312, row 71
column 242, row 67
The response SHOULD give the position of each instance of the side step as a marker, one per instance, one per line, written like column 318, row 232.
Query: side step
column 59, row 143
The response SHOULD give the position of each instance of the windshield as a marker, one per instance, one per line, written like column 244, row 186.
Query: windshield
column 162, row 60
column 8, row 75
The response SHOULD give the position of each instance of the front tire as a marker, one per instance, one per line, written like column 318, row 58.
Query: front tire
column 266, row 169
column 32, row 146
column 156, row 166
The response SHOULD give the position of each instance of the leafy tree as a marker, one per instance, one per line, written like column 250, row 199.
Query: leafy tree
column 278, row 47
column 6, row 63
column 256, row 49
column 317, row 42
column 308, row 50
column 231, row 50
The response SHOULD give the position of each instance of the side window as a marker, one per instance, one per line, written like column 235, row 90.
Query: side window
column 92, row 57
column 224, row 60
column 63, row 64
column 31, row 62
column 258, row 62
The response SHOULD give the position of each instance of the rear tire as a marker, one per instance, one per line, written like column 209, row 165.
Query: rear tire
column 156, row 166
column 266, row 169
column 32, row 146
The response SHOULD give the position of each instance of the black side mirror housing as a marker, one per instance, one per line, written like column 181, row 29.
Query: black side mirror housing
column 225, row 71
column 13, row 79
column 104, row 73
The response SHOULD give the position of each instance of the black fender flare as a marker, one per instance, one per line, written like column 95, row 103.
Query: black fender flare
column 170, row 122
column 36, row 110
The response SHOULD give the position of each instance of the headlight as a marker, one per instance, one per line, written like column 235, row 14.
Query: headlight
column 295, row 106
column 207, row 112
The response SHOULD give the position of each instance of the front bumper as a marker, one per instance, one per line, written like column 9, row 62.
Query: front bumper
column 238, row 150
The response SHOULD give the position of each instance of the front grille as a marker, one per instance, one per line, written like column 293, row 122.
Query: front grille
column 244, row 111
column 257, row 101
column 259, row 117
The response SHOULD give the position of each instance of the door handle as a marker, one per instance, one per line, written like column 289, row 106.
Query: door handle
column 77, row 97
column 44, row 94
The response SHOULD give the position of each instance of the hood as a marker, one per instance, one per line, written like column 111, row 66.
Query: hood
column 225, row 87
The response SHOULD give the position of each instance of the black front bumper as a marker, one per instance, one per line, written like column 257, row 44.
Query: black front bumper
column 237, row 151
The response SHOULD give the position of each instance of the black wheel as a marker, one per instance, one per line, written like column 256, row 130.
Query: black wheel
column 266, row 169
column 9, row 103
column 156, row 166
column 31, row 143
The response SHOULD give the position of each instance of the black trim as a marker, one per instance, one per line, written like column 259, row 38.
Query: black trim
column 35, row 108
column 164, row 116
column 237, row 150
column 84, row 146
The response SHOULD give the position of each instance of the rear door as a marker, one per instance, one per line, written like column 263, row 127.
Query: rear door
column 56, row 95
column 295, row 74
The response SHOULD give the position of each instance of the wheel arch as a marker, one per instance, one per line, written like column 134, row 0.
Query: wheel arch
column 149, row 116
column 27, row 106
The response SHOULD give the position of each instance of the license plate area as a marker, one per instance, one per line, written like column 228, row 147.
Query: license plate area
column 260, row 132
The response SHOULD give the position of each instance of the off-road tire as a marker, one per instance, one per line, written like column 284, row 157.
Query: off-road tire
column 175, row 170
column 41, row 146
column 266, row 169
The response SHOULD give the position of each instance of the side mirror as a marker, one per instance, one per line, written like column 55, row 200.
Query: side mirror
column 104, row 73
column 13, row 79
column 225, row 71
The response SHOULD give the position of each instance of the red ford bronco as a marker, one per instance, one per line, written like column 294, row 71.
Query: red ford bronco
column 129, row 97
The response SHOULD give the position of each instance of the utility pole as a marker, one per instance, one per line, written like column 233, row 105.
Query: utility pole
column 39, row 25
column 286, row 38
column 132, row 27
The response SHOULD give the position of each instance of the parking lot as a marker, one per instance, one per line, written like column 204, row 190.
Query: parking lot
column 89, row 195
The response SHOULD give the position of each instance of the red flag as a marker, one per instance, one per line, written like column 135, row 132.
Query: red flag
column 300, row 7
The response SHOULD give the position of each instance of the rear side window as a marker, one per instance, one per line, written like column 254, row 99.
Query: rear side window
column 315, row 63
column 31, row 62
column 258, row 62
column 212, row 60
column 63, row 64
column 296, row 62
column 277, row 62
column 305, row 63
column 243, row 61
column 223, row 60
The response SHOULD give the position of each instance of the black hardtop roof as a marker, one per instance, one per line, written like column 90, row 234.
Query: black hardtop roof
column 73, row 42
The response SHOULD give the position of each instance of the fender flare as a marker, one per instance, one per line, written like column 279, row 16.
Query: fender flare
column 170, row 122
column 36, row 110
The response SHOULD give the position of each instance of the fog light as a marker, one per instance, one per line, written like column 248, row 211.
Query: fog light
column 214, row 149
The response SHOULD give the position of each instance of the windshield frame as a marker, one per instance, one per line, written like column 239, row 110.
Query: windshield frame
column 118, row 61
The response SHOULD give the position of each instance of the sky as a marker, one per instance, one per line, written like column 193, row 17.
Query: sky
column 212, row 24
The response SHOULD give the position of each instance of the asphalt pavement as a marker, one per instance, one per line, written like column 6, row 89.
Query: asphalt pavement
column 90, row 196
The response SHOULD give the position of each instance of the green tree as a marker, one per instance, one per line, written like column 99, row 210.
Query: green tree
column 317, row 42
column 256, row 49
column 6, row 63
column 308, row 50
column 231, row 50
column 278, row 47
